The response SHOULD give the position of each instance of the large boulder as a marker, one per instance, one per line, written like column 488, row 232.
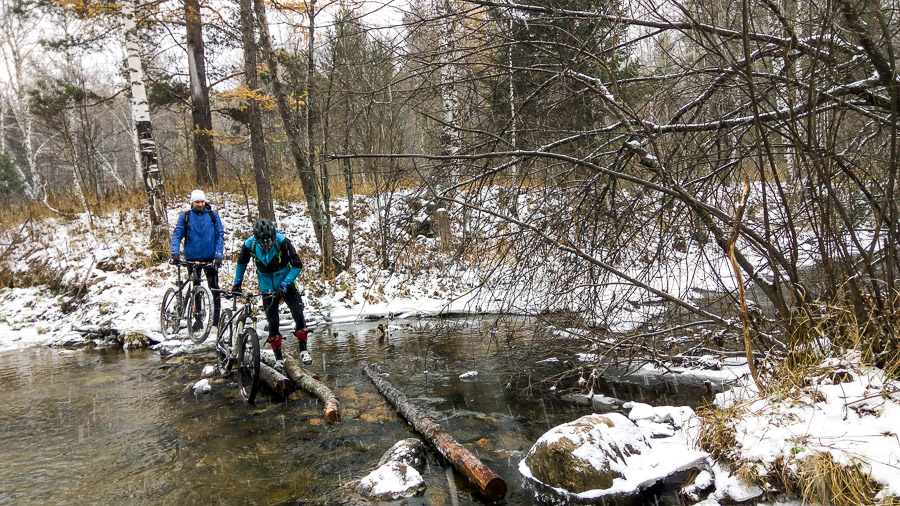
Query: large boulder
column 599, row 457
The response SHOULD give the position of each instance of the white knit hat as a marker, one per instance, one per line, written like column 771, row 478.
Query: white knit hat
column 197, row 195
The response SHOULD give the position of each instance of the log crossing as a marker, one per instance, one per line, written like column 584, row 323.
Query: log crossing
column 488, row 482
column 308, row 383
column 277, row 382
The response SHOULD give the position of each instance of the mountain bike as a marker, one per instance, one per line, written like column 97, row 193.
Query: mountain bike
column 238, row 343
column 188, row 304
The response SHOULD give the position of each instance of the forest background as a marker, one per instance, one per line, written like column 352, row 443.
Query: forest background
column 734, row 162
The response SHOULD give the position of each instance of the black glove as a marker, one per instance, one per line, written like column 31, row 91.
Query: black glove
column 279, row 292
column 217, row 262
column 174, row 259
column 236, row 288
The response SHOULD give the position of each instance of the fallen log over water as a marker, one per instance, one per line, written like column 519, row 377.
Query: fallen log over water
column 308, row 383
column 488, row 482
column 277, row 382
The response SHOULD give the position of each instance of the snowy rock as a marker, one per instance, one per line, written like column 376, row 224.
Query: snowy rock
column 410, row 451
column 468, row 375
column 208, row 371
column 730, row 488
column 598, row 457
column 67, row 338
column 701, row 483
column 397, row 475
column 659, row 421
column 202, row 386
column 392, row 481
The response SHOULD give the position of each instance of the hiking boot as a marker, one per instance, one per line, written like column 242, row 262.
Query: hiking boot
column 305, row 357
column 279, row 366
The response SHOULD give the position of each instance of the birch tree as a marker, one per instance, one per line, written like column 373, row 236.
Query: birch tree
column 19, row 31
column 146, row 151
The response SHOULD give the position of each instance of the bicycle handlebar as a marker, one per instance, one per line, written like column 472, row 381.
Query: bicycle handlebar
column 196, row 263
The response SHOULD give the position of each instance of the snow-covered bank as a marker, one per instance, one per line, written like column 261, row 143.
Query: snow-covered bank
column 109, row 282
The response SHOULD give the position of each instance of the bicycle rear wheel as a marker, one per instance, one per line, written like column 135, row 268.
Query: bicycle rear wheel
column 200, row 315
column 224, row 344
column 170, row 313
column 248, row 364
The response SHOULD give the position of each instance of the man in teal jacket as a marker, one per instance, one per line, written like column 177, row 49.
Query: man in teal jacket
column 204, row 238
column 277, row 267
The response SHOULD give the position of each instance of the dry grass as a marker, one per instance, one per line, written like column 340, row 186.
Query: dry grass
column 285, row 188
column 818, row 479
column 821, row 480
column 716, row 433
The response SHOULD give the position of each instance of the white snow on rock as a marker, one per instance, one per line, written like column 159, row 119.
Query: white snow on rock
column 391, row 481
column 468, row 375
column 652, row 461
column 202, row 386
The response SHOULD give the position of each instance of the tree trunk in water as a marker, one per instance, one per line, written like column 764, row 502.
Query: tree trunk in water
column 303, row 157
column 204, row 151
column 307, row 383
column 277, row 382
column 145, row 147
column 257, row 140
column 488, row 482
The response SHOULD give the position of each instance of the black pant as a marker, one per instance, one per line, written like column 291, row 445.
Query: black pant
column 212, row 280
column 294, row 303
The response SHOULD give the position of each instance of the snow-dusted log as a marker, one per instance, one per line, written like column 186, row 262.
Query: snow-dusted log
column 277, row 382
column 488, row 482
column 307, row 383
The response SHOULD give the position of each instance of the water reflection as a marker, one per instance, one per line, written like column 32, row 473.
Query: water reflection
column 112, row 426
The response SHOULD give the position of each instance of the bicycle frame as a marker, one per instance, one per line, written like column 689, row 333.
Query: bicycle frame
column 236, row 325
column 194, row 278
column 186, row 299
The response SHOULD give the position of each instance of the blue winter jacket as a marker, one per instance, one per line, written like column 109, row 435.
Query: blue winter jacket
column 205, row 235
column 279, row 266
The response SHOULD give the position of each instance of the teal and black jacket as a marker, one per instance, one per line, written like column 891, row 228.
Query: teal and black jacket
column 279, row 266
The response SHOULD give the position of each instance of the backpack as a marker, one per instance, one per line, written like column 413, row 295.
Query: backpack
column 187, row 221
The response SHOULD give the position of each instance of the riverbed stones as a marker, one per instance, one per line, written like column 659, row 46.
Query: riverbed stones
column 397, row 475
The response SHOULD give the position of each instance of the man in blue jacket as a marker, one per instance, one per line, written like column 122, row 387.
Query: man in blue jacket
column 204, row 238
column 277, row 267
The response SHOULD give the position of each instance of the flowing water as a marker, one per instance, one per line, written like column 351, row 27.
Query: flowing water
column 107, row 426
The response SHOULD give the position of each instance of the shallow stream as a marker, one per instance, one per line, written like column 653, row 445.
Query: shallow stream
column 107, row 426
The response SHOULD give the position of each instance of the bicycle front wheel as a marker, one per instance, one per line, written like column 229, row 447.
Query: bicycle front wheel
column 248, row 364
column 170, row 313
column 200, row 313
column 224, row 342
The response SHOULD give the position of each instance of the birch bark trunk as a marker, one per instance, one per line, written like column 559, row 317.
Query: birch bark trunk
column 451, row 140
column 146, row 151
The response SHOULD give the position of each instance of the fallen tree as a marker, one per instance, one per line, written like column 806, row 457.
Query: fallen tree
column 277, row 382
column 306, row 382
column 488, row 482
